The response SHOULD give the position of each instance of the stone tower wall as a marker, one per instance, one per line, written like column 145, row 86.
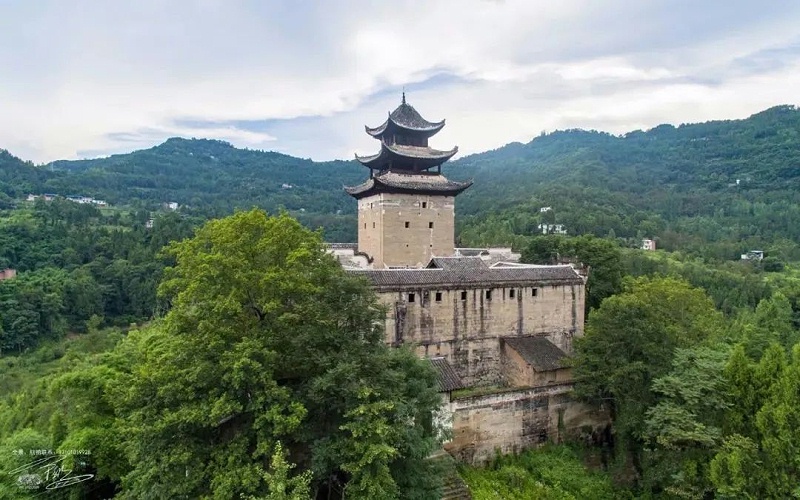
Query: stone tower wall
column 395, row 229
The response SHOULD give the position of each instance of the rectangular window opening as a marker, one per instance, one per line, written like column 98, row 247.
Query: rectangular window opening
column 430, row 225
column 438, row 296
column 511, row 293
column 488, row 295
column 535, row 292
column 464, row 295
column 411, row 297
column 407, row 224
column 424, row 204
column 373, row 225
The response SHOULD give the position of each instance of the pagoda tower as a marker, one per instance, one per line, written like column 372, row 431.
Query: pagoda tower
column 406, row 209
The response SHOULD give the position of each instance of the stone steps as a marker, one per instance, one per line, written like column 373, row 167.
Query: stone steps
column 454, row 487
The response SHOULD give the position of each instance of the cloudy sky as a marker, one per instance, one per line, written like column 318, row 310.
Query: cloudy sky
column 82, row 79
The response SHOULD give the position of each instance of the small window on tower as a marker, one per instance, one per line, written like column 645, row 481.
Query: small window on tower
column 535, row 292
column 411, row 297
column 488, row 295
column 408, row 224
column 373, row 225
column 430, row 225
column 365, row 225
column 438, row 296
column 424, row 204
column 511, row 293
column 464, row 295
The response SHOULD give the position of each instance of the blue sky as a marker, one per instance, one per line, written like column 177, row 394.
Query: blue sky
column 82, row 79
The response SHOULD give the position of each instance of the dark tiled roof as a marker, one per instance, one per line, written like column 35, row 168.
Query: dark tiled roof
column 419, row 152
column 471, row 252
column 457, row 264
column 342, row 246
column 405, row 116
column 446, row 377
column 468, row 273
column 400, row 183
column 538, row 352
column 428, row 156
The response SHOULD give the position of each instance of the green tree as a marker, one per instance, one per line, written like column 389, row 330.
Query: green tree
column 602, row 257
column 282, row 344
column 543, row 249
column 686, row 425
column 282, row 486
column 736, row 470
column 630, row 342
column 778, row 424
column 605, row 267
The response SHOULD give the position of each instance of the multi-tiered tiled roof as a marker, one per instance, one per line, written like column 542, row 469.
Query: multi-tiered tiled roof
column 405, row 160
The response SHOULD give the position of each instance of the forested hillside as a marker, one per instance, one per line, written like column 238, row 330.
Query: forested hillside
column 715, row 188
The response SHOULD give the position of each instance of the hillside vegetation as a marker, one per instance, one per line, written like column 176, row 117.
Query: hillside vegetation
column 250, row 311
column 716, row 188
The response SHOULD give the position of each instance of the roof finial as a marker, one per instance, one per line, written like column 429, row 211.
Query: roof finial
column 404, row 95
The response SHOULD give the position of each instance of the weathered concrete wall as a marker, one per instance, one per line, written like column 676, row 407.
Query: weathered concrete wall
column 382, row 231
column 510, row 422
column 465, row 325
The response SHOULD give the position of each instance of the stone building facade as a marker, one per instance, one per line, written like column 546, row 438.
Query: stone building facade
column 499, row 333
column 459, row 308
column 405, row 229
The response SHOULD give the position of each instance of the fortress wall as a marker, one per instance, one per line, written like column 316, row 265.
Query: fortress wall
column 517, row 420
column 465, row 325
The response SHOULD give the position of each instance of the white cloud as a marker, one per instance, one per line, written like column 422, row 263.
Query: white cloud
column 109, row 77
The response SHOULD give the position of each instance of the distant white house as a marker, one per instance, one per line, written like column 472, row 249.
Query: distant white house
column 171, row 205
column 149, row 224
column 545, row 209
column 286, row 186
column 552, row 228
column 753, row 255
column 75, row 198
column 83, row 200
column 648, row 245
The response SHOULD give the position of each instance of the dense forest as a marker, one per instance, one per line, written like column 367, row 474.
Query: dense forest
column 120, row 316
column 714, row 189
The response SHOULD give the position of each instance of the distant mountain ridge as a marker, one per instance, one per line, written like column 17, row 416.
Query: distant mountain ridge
column 734, row 184
column 661, row 174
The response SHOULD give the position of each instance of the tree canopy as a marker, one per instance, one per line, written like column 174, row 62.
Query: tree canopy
column 269, row 352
